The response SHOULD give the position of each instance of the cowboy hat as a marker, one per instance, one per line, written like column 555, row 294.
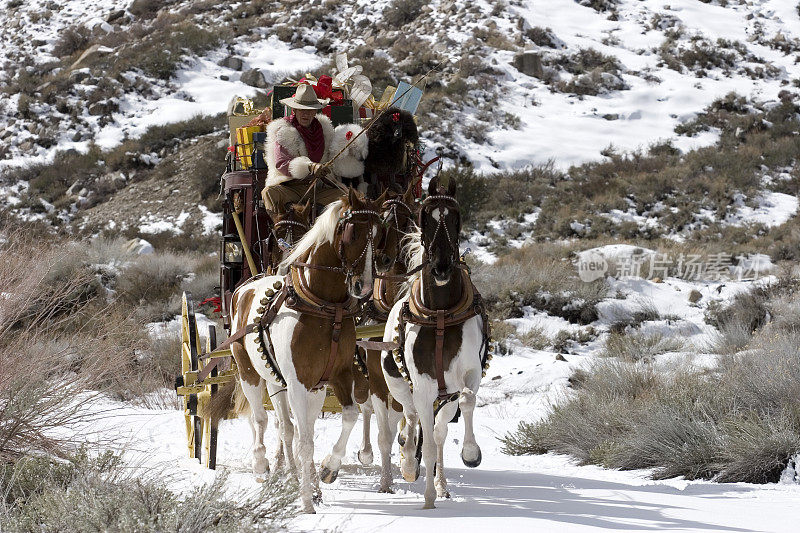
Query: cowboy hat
column 305, row 98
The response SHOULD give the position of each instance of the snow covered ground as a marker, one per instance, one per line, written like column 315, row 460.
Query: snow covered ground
column 572, row 130
column 534, row 493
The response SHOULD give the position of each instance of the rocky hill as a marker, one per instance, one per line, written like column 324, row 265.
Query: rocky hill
column 107, row 103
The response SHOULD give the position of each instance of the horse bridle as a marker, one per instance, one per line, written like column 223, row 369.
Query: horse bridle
column 438, row 200
column 390, row 207
column 346, row 227
column 289, row 237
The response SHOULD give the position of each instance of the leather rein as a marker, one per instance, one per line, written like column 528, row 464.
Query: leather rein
column 380, row 307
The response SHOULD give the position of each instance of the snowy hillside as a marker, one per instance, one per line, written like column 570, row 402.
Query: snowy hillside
column 653, row 65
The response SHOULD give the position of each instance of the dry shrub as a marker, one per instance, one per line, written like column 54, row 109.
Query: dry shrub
column 401, row 12
column 738, row 422
column 88, row 495
column 48, row 358
column 152, row 278
column 71, row 40
column 639, row 346
column 540, row 277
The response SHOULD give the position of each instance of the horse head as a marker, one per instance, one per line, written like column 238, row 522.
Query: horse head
column 399, row 213
column 287, row 228
column 440, row 225
column 359, row 237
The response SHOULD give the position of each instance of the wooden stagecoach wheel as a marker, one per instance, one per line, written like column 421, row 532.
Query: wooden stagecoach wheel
column 190, row 343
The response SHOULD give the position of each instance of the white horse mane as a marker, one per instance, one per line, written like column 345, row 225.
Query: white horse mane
column 415, row 255
column 323, row 230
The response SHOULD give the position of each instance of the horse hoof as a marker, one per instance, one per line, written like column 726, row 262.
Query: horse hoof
column 429, row 506
column 408, row 474
column 387, row 490
column 443, row 494
column 365, row 458
column 317, row 497
column 327, row 475
column 473, row 463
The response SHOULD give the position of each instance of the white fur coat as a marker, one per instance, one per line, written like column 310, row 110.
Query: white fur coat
column 286, row 135
column 351, row 163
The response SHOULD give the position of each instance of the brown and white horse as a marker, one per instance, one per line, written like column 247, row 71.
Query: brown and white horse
column 310, row 339
column 442, row 333
column 370, row 392
column 399, row 215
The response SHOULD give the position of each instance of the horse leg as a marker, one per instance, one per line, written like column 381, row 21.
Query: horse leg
column 316, row 401
column 387, row 420
column 342, row 385
column 428, row 454
column 470, row 452
column 300, row 402
column 278, row 455
column 365, row 456
column 440, row 436
column 409, row 466
column 258, row 423
column 285, row 428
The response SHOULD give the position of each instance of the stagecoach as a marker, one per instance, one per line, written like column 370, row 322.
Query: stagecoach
column 246, row 245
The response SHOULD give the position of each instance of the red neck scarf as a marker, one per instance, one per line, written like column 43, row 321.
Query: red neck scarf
column 312, row 136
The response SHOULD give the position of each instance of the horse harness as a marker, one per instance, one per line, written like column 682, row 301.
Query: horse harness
column 282, row 243
column 294, row 293
column 414, row 312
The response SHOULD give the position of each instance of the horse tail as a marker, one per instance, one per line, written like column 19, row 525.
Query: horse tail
column 221, row 402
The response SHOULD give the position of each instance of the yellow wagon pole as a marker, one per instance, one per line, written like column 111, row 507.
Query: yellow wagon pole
column 237, row 208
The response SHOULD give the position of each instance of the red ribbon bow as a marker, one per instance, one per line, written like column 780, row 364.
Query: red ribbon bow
column 396, row 117
column 215, row 301
column 324, row 87
column 348, row 135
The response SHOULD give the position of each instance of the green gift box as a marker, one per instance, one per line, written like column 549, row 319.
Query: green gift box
column 279, row 92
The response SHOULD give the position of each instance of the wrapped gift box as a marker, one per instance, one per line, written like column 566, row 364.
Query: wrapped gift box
column 244, row 144
column 340, row 112
column 279, row 92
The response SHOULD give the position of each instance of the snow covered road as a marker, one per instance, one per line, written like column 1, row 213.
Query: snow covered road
column 532, row 493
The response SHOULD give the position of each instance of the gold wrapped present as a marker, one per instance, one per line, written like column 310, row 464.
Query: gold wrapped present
column 244, row 144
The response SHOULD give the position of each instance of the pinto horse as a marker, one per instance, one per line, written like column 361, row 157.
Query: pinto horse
column 303, row 333
column 399, row 215
column 442, row 336
column 369, row 390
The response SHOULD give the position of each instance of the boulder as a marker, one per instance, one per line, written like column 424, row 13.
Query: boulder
column 529, row 63
column 74, row 190
column 139, row 247
column 78, row 76
column 232, row 62
column 114, row 15
column 254, row 78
